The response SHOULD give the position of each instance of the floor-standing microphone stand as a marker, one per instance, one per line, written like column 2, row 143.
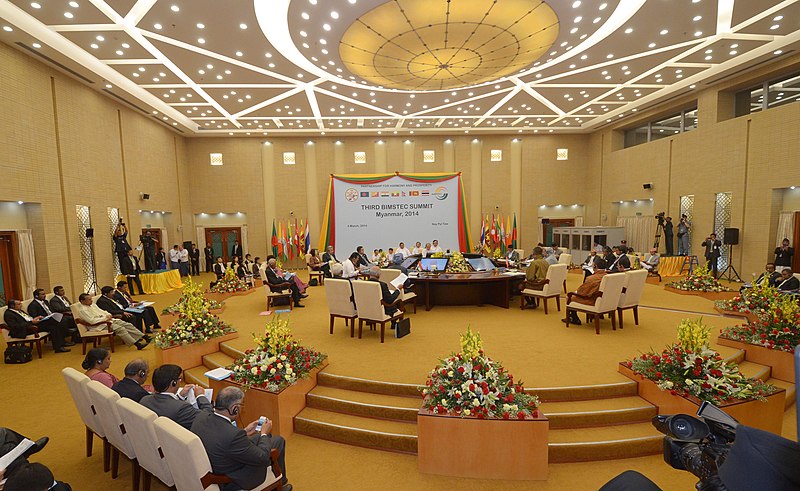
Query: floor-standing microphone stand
column 93, row 285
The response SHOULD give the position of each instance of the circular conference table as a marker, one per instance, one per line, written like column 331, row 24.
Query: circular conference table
column 476, row 288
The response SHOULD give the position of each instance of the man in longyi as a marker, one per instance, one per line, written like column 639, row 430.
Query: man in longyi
column 586, row 294
column 535, row 275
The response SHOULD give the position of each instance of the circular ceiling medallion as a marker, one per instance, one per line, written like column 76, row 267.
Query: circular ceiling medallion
column 444, row 44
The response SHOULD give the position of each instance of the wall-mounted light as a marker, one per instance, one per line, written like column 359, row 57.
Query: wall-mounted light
column 20, row 202
column 562, row 154
column 360, row 157
column 495, row 155
column 216, row 158
column 288, row 158
column 428, row 156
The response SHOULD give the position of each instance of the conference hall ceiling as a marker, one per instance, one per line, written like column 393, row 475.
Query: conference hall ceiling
column 311, row 67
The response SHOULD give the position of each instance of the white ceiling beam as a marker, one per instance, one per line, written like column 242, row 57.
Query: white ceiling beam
column 133, row 61
column 84, row 27
column 764, row 14
column 724, row 16
column 500, row 103
column 137, row 13
column 269, row 102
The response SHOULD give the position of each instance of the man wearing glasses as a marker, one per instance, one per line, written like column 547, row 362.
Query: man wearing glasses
column 170, row 401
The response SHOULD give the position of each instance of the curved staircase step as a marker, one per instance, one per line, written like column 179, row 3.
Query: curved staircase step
column 216, row 360
column 356, row 430
column 754, row 370
column 364, row 403
column 233, row 350
column 791, row 390
column 365, row 385
column 585, row 392
column 604, row 443
column 736, row 355
column 599, row 412
column 195, row 376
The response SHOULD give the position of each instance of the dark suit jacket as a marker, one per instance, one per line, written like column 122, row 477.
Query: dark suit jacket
column 713, row 248
column 120, row 298
column 326, row 258
column 273, row 278
column 786, row 286
column 35, row 309
column 236, row 250
column 56, row 305
column 231, row 452
column 388, row 297
column 109, row 306
column 219, row 270
column 181, row 412
column 209, row 253
column 194, row 254
column 17, row 325
column 773, row 278
column 362, row 260
column 129, row 269
column 130, row 388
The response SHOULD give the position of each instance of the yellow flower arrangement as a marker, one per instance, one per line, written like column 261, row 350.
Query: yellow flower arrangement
column 693, row 335
column 471, row 344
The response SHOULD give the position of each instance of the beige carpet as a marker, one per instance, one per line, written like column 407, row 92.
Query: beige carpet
column 536, row 348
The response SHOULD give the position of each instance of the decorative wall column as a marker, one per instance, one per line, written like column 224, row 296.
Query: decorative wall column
column 268, row 178
column 475, row 192
column 408, row 156
column 449, row 155
column 311, row 185
column 339, row 159
column 380, row 157
column 515, row 184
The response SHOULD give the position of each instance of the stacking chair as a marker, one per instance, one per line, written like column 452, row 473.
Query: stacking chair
column 556, row 275
column 138, row 421
column 369, row 300
column 605, row 301
column 314, row 274
column 30, row 340
column 76, row 383
column 104, row 400
column 565, row 258
column 91, row 336
column 189, row 464
column 631, row 294
column 340, row 303
column 406, row 296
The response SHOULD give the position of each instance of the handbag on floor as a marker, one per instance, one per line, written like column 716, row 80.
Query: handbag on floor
column 17, row 354
column 403, row 328
column 313, row 282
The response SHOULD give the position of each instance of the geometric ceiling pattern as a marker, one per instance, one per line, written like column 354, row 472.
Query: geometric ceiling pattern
column 311, row 67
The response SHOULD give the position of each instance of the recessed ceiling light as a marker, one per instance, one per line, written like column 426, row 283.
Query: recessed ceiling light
column 312, row 2
column 94, row 46
column 777, row 52
column 35, row 5
column 334, row 15
column 126, row 45
column 578, row 19
column 37, row 45
column 629, row 30
column 201, row 40
column 175, row 8
column 8, row 28
column 68, row 15
column 242, row 26
column 305, row 16
column 698, row 34
column 732, row 53
column 777, row 18
column 576, row 4
column 157, row 26
column 776, row 26
column 141, row 68
column 596, row 20
column 697, row 17
column 120, row 52
column 664, row 32
column 651, row 45
column 239, row 53
column 352, row 2
column 327, row 27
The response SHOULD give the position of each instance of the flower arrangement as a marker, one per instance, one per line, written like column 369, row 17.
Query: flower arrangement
column 692, row 368
column 471, row 384
column 229, row 283
column 457, row 264
column 277, row 361
column 777, row 327
column 195, row 324
column 191, row 290
column 437, row 254
column 497, row 253
column 756, row 300
column 701, row 280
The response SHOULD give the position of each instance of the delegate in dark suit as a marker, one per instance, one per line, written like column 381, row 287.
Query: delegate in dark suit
column 274, row 279
column 208, row 251
column 326, row 263
column 713, row 252
column 20, row 327
column 236, row 250
column 116, row 311
column 178, row 411
column 36, row 309
column 131, row 389
column 149, row 316
column 194, row 260
column 60, row 305
column 130, row 268
column 388, row 297
column 245, row 460
column 219, row 270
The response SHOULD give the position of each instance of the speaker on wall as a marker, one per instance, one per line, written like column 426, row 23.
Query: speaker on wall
column 731, row 236
column 89, row 232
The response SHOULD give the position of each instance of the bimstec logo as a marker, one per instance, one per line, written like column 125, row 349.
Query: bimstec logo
column 351, row 194
column 440, row 193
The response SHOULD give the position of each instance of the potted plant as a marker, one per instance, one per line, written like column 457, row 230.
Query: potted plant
column 702, row 283
column 750, row 303
column 278, row 373
column 468, row 398
column 682, row 376
column 192, row 289
column 227, row 286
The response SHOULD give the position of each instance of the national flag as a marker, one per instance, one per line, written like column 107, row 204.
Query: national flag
column 289, row 241
column 308, row 239
column 385, row 194
column 494, row 230
column 365, row 194
column 297, row 242
column 274, row 240
column 403, row 194
column 502, row 236
column 514, row 233
column 508, row 232
column 302, row 239
column 284, row 251
column 483, row 232
column 413, row 193
column 376, row 194
column 281, row 242
column 395, row 194
column 425, row 192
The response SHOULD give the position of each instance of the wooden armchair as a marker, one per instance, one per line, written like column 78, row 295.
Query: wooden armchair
column 89, row 332
column 278, row 290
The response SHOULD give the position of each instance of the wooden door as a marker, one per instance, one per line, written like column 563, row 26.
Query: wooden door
column 555, row 222
column 9, row 273
column 221, row 240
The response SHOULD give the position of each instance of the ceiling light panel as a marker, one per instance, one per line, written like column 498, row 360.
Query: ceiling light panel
column 153, row 74
column 782, row 22
column 569, row 98
column 236, row 99
column 331, row 106
column 106, row 45
column 742, row 11
column 52, row 12
column 122, row 7
column 177, row 95
column 292, row 107
column 722, row 50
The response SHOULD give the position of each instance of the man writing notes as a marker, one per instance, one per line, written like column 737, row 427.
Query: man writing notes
column 20, row 325
column 243, row 454
column 169, row 400
column 350, row 267
column 97, row 319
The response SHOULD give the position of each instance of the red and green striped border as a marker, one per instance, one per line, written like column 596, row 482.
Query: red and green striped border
column 327, row 235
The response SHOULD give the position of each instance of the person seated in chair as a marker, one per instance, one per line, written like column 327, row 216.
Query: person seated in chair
column 328, row 259
column 21, row 324
column 33, row 476
column 242, row 454
column 585, row 294
column 590, row 263
column 149, row 315
column 169, row 400
column 219, row 268
column 651, row 261
column 363, row 261
column 132, row 385
column 350, row 267
column 387, row 296
column 315, row 263
column 110, row 305
column 275, row 278
column 41, row 307
column 237, row 267
column 620, row 261
column 787, row 282
column 769, row 277
column 97, row 319
column 535, row 275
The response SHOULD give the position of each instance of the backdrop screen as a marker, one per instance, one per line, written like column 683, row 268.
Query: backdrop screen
column 383, row 214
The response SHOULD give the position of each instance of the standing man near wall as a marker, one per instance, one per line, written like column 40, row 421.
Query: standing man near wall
column 208, row 251
column 194, row 258
column 713, row 252
column 684, row 227
column 668, row 237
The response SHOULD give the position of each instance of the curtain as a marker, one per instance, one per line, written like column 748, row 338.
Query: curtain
column 638, row 231
column 579, row 221
column 27, row 259
column 785, row 227
column 200, row 233
column 244, row 239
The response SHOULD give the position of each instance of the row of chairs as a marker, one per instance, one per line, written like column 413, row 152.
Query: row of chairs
column 369, row 299
column 156, row 446
column 618, row 292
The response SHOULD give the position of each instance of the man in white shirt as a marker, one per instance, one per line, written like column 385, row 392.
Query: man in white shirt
column 97, row 319
column 174, row 257
column 418, row 249
column 183, row 261
column 435, row 247
column 651, row 261
column 350, row 267
column 403, row 250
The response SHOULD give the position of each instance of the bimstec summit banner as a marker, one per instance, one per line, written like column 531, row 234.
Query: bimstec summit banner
column 379, row 211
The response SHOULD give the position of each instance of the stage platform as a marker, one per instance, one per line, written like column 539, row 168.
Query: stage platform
column 161, row 281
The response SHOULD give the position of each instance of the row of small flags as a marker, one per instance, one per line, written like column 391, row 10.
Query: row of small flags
column 393, row 194
column 497, row 232
column 290, row 240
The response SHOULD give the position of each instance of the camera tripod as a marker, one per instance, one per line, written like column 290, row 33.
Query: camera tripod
column 733, row 275
column 659, row 230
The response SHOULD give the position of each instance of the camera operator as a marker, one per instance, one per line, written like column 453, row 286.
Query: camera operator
column 149, row 244
column 684, row 227
column 120, row 238
column 668, row 237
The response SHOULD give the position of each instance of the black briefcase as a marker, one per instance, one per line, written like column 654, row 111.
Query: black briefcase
column 403, row 328
column 17, row 354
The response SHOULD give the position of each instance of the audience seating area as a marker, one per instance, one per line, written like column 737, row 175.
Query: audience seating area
column 29, row 340
column 605, row 302
column 156, row 446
